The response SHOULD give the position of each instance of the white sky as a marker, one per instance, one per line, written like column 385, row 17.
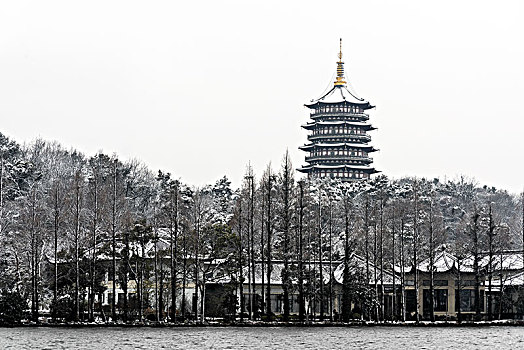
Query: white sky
column 201, row 88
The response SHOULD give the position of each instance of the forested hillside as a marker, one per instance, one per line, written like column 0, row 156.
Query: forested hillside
column 66, row 219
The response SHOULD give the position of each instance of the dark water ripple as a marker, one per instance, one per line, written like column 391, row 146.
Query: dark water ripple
column 396, row 338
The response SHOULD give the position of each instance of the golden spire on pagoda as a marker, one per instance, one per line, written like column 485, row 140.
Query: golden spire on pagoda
column 340, row 68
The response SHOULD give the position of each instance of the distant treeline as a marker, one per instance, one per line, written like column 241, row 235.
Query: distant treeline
column 69, row 222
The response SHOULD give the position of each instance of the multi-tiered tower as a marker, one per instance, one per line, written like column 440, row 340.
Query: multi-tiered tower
column 338, row 145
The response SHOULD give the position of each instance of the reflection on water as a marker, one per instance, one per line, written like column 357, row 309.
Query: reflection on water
column 398, row 338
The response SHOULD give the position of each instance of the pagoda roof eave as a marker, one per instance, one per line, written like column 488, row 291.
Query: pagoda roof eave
column 341, row 144
column 367, row 169
column 364, row 125
column 365, row 105
column 339, row 95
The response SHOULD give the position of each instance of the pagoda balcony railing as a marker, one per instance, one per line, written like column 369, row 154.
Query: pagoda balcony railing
column 359, row 137
column 363, row 159
column 340, row 114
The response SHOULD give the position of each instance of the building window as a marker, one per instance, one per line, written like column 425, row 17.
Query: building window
column 466, row 283
column 440, row 300
column 438, row 283
column 467, row 300
column 411, row 301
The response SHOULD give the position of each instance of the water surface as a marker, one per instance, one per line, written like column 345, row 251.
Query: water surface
column 400, row 338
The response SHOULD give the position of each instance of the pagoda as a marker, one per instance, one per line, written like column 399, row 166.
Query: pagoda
column 339, row 143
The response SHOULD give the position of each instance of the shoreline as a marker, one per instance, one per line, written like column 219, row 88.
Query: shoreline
column 214, row 324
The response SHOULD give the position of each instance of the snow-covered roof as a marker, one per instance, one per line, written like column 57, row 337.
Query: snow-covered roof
column 336, row 144
column 508, row 280
column 357, row 264
column 504, row 261
column 276, row 272
column 340, row 94
column 349, row 166
column 362, row 124
column 445, row 261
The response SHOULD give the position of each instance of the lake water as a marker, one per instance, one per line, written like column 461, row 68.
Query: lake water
column 397, row 338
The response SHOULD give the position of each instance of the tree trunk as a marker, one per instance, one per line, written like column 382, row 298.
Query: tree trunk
column 301, row 300
column 241, row 267
column 491, row 233
column 402, row 271
column 125, row 278
column 155, row 268
column 366, row 249
column 320, row 262
column 262, row 252
column 346, row 293
column 184, row 276
column 476, row 266
column 55, row 249
column 431, row 266
column 173, row 250
column 394, row 313
column 252, row 245
column 77, row 253
column 286, row 188
column 34, row 260
column 459, row 289
column 415, row 253
column 92, row 271
column 330, row 260
column 269, row 239
column 113, row 241
column 381, row 239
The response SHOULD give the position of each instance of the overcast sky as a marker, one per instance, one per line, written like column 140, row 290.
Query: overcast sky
column 202, row 88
